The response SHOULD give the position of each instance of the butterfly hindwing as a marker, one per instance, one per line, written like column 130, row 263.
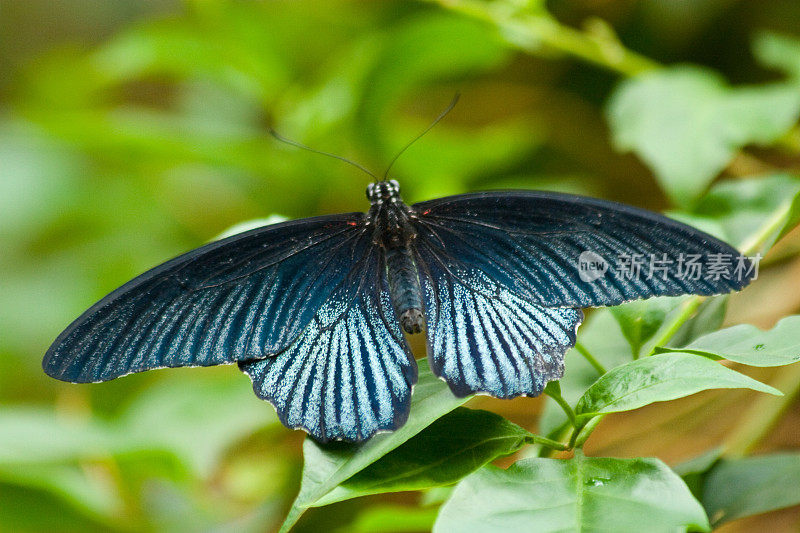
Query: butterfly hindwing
column 482, row 338
column 531, row 242
column 350, row 373
column 239, row 298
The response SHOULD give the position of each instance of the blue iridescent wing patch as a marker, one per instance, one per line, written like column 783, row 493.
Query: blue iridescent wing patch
column 483, row 338
column 561, row 250
column 350, row 373
column 240, row 298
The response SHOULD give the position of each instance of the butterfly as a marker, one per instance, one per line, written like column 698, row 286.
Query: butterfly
column 315, row 311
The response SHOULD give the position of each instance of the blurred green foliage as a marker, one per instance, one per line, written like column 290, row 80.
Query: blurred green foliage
column 133, row 131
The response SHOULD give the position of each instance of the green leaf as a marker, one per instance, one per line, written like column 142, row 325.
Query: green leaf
column 196, row 416
column 738, row 211
column 602, row 336
column 749, row 345
column 779, row 51
column 752, row 485
column 686, row 123
column 327, row 466
column 660, row 378
column 393, row 519
column 640, row 320
column 693, row 471
column 579, row 494
column 453, row 446
column 708, row 318
column 38, row 436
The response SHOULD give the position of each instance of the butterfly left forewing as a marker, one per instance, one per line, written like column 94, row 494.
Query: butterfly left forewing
column 240, row 298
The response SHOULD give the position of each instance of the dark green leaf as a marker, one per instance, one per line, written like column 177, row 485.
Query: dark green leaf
column 751, row 346
column 327, row 466
column 579, row 494
column 742, row 487
column 686, row 123
column 453, row 446
column 660, row 378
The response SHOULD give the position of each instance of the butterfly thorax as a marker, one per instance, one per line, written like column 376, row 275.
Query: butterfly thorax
column 394, row 233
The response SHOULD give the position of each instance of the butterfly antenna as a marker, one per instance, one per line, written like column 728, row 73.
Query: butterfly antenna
column 443, row 114
column 296, row 144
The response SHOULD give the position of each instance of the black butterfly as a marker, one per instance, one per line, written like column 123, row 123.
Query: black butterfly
column 313, row 310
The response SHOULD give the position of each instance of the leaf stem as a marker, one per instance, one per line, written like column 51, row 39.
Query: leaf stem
column 550, row 443
column 553, row 390
column 557, row 434
column 589, row 357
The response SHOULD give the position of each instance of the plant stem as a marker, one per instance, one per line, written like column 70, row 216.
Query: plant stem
column 535, row 30
column 589, row 357
column 688, row 308
column 773, row 224
column 749, row 246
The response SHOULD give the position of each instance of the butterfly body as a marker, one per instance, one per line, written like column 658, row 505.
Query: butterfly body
column 314, row 310
column 395, row 233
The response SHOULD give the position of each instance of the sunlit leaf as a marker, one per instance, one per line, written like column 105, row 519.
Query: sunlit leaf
column 393, row 519
column 686, row 123
column 737, row 211
column 780, row 51
column 660, row 378
column 579, row 494
column 31, row 435
column 197, row 418
column 749, row 345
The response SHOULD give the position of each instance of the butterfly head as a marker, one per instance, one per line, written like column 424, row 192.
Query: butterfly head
column 383, row 191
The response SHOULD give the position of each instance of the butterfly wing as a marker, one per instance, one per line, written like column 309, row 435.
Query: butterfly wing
column 349, row 374
column 531, row 242
column 244, row 297
column 502, row 284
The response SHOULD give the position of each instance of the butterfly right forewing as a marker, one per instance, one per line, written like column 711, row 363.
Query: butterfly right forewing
column 532, row 241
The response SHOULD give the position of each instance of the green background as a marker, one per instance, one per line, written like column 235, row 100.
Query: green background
column 133, row 131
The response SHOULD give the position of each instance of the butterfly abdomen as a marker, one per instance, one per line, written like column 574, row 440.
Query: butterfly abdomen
column 404, row 288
